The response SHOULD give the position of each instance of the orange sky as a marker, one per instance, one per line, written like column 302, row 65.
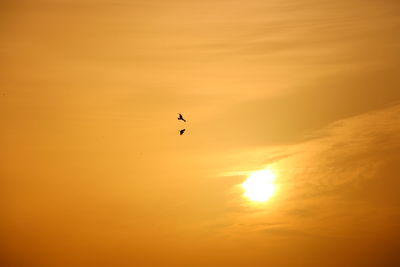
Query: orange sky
column 94, row 173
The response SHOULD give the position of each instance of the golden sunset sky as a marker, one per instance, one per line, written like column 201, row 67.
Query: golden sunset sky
column 94, row 173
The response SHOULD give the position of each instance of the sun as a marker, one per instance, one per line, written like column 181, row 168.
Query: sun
column 259, row 186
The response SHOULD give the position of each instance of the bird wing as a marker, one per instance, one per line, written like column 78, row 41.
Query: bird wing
column 180, row 116
column 182, row 131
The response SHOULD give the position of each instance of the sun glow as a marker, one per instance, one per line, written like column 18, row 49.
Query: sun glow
column 260, row 186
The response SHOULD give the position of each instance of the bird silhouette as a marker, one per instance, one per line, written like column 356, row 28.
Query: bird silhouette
column 181, row 117
column 182, row 131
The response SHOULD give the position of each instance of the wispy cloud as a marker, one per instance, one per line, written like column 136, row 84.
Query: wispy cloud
column 345, row 174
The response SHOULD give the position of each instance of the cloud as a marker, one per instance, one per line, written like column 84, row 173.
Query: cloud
column 338, row 192
column 347, row 174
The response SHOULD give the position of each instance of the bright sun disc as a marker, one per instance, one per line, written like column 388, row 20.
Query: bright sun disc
column 260, row 186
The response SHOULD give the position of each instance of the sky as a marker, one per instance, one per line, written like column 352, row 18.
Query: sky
column 93, row 170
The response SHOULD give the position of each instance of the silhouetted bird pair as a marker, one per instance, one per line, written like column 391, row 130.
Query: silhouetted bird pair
column 182, row 119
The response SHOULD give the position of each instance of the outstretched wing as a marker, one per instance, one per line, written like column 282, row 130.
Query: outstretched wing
column 181, row 131
column 180, row 116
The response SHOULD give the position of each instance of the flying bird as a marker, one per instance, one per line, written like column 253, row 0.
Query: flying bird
column 181, row 131
column 181, row 117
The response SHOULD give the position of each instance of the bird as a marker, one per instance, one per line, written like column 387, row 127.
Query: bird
column 181, row 117
column 181, row 131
